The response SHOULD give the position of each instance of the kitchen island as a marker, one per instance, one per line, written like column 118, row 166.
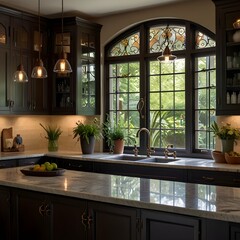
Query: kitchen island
column 95, row 201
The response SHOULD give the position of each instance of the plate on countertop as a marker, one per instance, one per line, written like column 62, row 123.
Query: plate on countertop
column 53, row 173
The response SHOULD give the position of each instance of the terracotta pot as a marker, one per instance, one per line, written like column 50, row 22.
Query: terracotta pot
column 87, row 148
column 218, row 156
column 118, row 146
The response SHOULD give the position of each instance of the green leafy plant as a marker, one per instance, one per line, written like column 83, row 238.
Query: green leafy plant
column 226, row 131
column 87, row 130
column 53, row 132
column 114, row 131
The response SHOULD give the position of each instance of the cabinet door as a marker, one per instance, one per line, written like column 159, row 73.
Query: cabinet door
column 20, row 54
column 235, row 231
column 228, row 58
column 88, row 80
column 167, row 226
column 64, row 90
column 4, row 64
column 5, row 214
column 108, row 222
column 33, row 215
column 38, row 88
column 66, row 215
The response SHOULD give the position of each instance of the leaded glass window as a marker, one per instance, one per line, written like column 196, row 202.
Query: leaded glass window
column 158, row 36
column 178, row 99
column 128, row 46
column 204, row 41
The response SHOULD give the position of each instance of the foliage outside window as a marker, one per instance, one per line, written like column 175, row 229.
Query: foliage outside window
column 178, row 99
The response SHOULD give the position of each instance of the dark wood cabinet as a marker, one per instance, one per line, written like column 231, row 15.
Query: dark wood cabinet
column 26, row 214
column 5, row 214
column 77, row 92
column 18, row 45
column 5, row 57
column 166, row 226
column 234, row 232
column 228, row 57
column 172, row 174
column 214, row 177
column 108, row 222
column 43, row 216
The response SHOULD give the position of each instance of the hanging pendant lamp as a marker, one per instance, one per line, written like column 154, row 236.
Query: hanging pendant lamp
column 62, row 65
column 20, row 75
column 39, row 71
column 167, row 56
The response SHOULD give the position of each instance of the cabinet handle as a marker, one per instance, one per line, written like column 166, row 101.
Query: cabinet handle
column 208, row 178
column 47, row 210
column 84, row 219
column 90, row 219
column 41, row 210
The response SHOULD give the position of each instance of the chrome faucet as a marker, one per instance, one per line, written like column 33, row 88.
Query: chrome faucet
column 167, row 153
column 149, row 150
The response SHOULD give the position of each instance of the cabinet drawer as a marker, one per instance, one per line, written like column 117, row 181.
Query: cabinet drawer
column 142, row 171
column 213, row 178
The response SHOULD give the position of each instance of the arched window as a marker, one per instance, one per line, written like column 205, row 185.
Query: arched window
column 175, row 100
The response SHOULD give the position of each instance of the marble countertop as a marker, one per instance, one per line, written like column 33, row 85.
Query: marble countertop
column 185, row 163
column 204, row 201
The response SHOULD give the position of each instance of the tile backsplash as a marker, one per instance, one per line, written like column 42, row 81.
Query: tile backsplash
column 34, row 136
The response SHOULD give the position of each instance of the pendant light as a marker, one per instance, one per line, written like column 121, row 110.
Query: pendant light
column 62, row 65
column 166, row 54
column 20, row 75
column 39, row 71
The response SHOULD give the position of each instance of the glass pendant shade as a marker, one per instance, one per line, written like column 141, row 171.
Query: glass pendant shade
column 20, row 75
column 62, row 65
column 166, row 56
column 39, row 71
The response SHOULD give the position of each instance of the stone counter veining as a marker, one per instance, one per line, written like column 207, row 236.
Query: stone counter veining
column 204, row 201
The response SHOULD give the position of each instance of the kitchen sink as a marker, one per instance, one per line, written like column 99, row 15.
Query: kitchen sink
column 125, row 157
column 159, row 160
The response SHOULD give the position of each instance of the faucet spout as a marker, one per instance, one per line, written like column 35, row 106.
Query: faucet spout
column 149, row 151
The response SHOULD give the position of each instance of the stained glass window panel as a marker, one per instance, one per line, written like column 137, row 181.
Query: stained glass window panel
column 158, row 38
column 204, row 41
column 127, row 46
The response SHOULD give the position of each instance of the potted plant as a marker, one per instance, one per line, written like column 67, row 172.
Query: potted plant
column 114, row 135
column 87, row 134
column 53, row 133
column 227, row 134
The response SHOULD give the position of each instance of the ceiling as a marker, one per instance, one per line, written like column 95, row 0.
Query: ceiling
column 91, row 8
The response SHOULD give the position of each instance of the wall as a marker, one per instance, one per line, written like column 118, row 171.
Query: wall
column 33, row 134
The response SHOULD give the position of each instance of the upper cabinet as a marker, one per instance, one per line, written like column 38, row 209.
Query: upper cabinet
column 20, row 42
column 228, row 57
column 77, row 92
column 4, row 63
column 18, row 46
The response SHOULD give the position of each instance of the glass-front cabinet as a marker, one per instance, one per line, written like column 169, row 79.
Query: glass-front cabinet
column 77, row 92
column 228, row 57
column 88, row 102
